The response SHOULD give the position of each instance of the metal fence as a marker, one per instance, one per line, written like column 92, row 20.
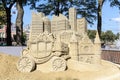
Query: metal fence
column 111, row 55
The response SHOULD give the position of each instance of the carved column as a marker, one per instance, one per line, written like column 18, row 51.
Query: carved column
column 73, row 47
column 46, row 25
column 97, row 48
column 73, row 19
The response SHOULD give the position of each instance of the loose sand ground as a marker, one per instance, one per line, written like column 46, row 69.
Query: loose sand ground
column 8, row 71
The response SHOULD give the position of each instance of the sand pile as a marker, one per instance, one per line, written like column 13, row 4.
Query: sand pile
column 8, row 71
column 7, row 66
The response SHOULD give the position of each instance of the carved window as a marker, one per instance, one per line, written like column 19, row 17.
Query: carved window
column 86, row 48
column 41, row 46
column 33, row 48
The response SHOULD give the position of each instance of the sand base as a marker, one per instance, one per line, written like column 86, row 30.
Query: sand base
column 108, row 71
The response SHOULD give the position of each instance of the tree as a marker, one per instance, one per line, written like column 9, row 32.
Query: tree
column 19, row 22
column 108, row 36
column 19, row 19
column 8, row 5
column 117, row 36
column 115, row 3
column 87, row 9
column 99, row 16
column 24, row 38
column 84, row 9
column 103, row 37
column 2, row 15
column 99, row 12
column 51, row 7
column 91, row 34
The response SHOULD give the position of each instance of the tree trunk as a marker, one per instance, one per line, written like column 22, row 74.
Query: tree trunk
column 19, row 23
column 8, row 29
column 99, row 24
column 57, row 11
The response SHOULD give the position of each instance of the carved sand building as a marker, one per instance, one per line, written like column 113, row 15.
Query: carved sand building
column 55, row 42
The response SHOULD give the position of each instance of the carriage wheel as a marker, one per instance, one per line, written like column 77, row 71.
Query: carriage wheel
column 26, row 65
column 58, row 64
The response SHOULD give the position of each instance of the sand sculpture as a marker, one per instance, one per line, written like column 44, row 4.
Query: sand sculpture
column 59, row 44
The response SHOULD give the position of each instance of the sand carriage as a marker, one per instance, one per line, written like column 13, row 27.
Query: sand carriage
column 45, row 48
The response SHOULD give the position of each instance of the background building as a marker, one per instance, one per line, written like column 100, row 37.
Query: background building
column 3, row 33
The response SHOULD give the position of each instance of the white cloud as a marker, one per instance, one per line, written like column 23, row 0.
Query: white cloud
column 116, row 19
column 14, row 7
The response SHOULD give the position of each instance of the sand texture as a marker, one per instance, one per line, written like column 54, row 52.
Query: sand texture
column 8, row 71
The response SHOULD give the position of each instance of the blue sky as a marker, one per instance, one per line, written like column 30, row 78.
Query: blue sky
column 111, row 18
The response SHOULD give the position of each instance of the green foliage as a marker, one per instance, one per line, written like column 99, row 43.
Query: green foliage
column 117, row 36
column 20, row 38
column 85, row 9
column 91, row 34
column 107, row 36
column 111, row 36
column 7, row 4
column 24, row 38
column 103, row 38
column 32, row 3
column 2, row 15
column 50, row 7
column 115, row 3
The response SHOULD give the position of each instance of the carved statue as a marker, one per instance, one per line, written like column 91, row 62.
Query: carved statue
column 52, row 43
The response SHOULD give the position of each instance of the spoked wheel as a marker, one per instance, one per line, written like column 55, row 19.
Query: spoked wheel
column 58, row 64
column 25, row 65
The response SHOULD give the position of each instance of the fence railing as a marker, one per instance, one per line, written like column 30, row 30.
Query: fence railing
column 111, row 55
